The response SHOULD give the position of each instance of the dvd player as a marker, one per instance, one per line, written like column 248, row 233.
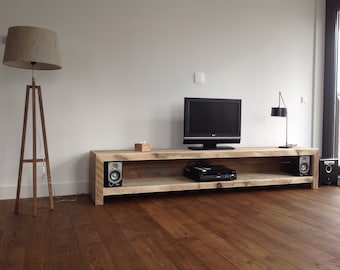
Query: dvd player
column 205, row 172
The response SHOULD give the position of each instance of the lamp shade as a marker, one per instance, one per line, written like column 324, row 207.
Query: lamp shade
column 279, row 111
column 26, row 45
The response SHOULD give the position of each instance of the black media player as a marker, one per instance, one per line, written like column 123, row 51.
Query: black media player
column 202, row 172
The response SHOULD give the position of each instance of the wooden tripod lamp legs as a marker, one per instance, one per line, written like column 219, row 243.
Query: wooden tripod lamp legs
column 34, row 90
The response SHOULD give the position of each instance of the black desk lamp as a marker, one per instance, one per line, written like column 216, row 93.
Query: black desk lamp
column 282, row 112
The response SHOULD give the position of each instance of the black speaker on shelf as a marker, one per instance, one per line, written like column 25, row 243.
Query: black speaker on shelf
column 297, row 165
column 328, row 172
column 113, row 174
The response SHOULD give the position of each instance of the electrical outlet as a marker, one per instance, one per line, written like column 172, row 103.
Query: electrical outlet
column 199, row 77
column 304, row 100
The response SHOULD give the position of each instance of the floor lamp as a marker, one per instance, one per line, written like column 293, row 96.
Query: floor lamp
column 36, row 49
column 282, row 112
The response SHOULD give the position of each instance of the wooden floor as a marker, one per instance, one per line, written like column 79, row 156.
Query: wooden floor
column 290, row 228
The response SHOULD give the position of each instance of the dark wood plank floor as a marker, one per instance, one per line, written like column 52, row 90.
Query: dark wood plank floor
column 290, row 228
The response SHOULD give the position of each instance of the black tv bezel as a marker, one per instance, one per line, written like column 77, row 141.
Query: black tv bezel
column 208, row 141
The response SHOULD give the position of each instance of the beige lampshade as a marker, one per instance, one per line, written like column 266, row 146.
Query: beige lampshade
column 26, row 45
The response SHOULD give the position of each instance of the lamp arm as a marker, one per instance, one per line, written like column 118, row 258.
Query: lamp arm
column 281, row 99
column 284, row 104
column 287, row 130
column 33, row 69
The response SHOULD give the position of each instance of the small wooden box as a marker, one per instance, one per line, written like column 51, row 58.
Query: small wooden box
column 142, row 147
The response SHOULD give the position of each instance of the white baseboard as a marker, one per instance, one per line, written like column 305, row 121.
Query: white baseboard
column 59, row 189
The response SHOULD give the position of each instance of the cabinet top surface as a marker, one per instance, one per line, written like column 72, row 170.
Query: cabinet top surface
column 166, row 154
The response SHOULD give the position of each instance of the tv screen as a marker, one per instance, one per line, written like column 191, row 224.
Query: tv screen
column 212, row 121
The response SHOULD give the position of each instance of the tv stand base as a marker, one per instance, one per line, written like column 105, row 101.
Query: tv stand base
column 162, row 170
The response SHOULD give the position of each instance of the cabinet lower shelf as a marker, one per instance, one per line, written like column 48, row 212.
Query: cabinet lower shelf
column 162, row 170
column 168, row 184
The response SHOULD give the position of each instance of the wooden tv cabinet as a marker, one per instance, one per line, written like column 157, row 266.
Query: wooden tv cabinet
column 162, row 170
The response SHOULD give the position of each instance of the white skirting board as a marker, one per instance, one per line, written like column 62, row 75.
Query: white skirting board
column 59, row 189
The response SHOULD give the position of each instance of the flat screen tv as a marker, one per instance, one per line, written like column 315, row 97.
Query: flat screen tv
column 212, row 121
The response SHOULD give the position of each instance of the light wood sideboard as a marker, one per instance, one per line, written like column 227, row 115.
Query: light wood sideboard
column 162, row 170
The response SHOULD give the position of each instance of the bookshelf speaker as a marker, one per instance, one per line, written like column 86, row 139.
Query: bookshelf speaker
column 328, row 172
column 113, row 174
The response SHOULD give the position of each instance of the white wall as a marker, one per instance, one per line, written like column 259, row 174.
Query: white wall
column 128, row 64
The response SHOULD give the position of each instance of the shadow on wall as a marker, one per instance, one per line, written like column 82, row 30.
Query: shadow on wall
column 71, row 176
column 176, row 138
